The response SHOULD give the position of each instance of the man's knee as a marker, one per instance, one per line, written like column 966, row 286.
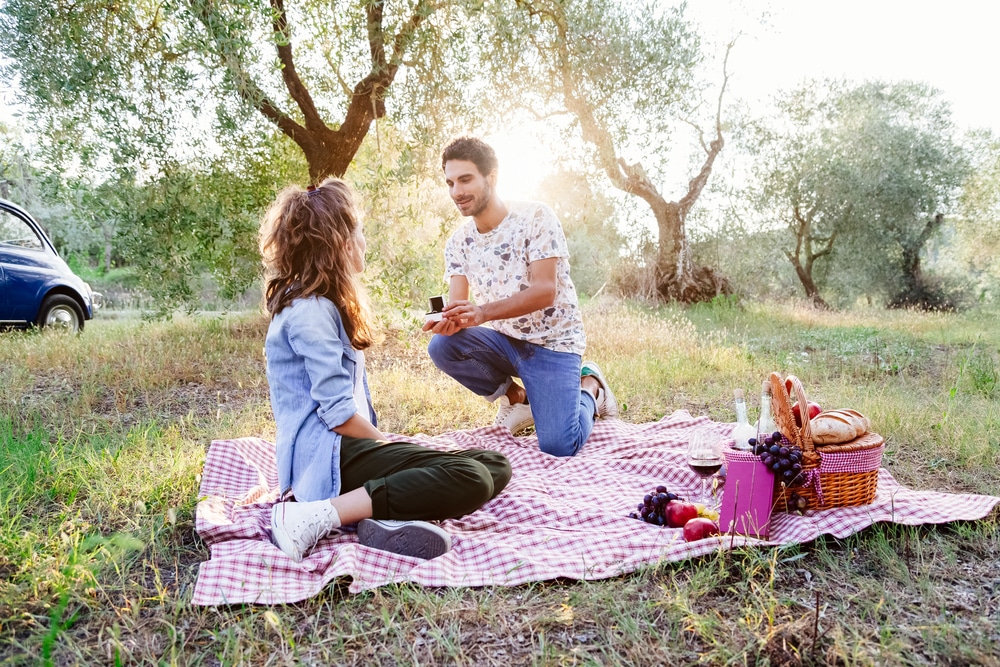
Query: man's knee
column 440, row 348
column 559, row 445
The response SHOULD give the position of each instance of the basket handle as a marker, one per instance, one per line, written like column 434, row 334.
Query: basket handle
column 794, row 384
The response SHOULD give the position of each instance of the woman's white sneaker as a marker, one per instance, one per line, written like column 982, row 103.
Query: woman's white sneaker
column 297, row 527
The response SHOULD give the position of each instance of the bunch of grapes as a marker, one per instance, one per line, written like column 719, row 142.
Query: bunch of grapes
column 653, row 507
column 784, row 460
column 794, row 502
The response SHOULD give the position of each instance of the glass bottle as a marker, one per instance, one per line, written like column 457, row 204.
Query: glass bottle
column 743, row 430
column 765, row 423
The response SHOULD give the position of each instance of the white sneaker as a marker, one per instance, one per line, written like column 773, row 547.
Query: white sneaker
column 517, row 417
column 607, row 405
column 417, row 539
column 297, row 527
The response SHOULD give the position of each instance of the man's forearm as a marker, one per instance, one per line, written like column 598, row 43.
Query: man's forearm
column 526, row 301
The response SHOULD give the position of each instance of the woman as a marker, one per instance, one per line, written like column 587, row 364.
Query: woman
column 331, row 457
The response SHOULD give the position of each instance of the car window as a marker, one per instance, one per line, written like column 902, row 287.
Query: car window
column 16, row 232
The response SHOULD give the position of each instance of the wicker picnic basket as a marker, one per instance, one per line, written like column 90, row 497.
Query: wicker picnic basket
column 841, row 475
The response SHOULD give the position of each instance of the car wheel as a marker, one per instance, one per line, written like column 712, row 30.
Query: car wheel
column 60, row 313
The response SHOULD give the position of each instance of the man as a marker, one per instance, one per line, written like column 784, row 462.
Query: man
column 514, row 259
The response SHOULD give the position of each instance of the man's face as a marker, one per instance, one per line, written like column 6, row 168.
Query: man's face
column 469, row 189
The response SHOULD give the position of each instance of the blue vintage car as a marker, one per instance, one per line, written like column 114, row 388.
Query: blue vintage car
column 37, row 288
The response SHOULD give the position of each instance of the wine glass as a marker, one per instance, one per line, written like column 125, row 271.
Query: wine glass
column 705, row 458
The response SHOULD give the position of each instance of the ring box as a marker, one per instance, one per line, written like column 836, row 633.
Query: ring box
column 437, row 305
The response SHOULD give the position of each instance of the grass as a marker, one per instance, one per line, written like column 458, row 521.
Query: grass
column 102, row 438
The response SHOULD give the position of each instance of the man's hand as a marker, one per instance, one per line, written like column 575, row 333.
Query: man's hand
column 458, row 315
column 465, row 314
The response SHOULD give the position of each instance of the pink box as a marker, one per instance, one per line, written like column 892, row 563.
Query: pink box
column 747, row 499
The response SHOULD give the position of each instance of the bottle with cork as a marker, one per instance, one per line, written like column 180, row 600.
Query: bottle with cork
column 743, row 430
column 765, row 423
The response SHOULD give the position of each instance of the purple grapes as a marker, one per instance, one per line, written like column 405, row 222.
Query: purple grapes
column 783, row 459
column 653, row 507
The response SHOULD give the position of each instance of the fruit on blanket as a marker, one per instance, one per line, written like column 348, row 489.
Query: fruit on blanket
column 679, row 512
column 653, row 506
column 699, row 528
column 706, row 512
column 814, row 410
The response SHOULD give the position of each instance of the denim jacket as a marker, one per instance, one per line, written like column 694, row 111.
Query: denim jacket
column 311, row 369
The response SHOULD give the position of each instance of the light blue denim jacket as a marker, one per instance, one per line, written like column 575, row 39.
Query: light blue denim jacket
column 311, row 369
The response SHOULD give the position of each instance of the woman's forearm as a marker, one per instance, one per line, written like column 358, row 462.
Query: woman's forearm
column 359, row 427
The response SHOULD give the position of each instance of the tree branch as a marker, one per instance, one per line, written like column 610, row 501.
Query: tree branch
column 246, row 88
column 298, row 91
column 697, row 184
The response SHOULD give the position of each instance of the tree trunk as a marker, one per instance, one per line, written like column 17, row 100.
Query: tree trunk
column 802, row 225
column 805, row 277
column 913, row 289
column 677, row 278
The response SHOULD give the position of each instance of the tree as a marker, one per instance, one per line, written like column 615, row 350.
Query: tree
column 979, row 219
column 803, row 178
column 861, row 176
column 139, row 75
column 625, row 72
column 187, row 100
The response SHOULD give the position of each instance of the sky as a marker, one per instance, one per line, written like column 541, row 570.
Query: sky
column 949, row 45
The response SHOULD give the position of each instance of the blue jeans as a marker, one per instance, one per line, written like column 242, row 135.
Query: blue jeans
column 486, row 362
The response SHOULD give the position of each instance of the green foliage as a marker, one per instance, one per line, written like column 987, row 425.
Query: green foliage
column 633, row 64
column 858, row 174
column 978, row 225
column 589, row 220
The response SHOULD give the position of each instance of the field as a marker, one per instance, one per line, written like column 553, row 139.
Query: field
column 102, row 438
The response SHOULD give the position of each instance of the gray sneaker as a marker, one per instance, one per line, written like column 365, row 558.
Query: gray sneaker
column 517, row 417
column 418, row 539
column 297, row 527
column 607, row 405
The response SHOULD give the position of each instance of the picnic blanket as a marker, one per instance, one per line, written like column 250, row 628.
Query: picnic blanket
column 558, row 517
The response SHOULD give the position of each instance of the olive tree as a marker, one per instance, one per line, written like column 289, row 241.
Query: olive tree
column 861, row 177
column 139, row 75
column 626, row 74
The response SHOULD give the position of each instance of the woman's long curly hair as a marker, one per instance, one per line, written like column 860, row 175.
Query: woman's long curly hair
column 306, row 241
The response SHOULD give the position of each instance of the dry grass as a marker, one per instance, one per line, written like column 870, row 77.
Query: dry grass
column 102, row 438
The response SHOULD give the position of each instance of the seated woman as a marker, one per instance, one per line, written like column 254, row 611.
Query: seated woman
column 339, row 468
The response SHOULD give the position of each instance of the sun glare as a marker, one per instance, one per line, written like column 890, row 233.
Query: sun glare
column 525, row 159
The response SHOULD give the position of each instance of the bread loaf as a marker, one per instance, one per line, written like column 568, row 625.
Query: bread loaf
column 832, row 427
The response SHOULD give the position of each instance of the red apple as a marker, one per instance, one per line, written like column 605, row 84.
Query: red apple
column 814, row 410
column 699, row 528
column 679, row 512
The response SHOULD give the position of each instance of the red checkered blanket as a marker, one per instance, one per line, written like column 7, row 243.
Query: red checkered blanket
column 558, row 517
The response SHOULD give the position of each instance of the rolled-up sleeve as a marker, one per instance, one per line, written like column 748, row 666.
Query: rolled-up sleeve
column 313, row 335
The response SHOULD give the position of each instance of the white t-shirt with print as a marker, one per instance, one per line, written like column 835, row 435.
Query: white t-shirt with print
column 496, row 266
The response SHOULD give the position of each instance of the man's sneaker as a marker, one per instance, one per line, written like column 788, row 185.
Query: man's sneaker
column 607, row 406
column 417, row 539
column 297, row 527
column 517, row 417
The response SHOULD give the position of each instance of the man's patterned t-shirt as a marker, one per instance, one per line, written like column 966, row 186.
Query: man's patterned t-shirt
column 496, row 266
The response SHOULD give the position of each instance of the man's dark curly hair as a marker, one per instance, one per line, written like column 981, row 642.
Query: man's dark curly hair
column 474, row 150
